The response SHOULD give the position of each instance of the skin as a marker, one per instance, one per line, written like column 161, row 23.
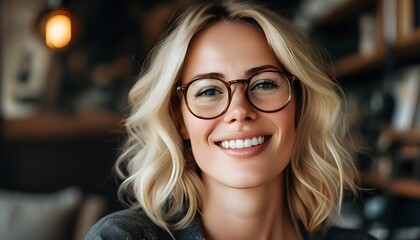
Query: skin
column 245, row 197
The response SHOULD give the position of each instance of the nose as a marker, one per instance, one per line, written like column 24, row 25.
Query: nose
column 239, row 110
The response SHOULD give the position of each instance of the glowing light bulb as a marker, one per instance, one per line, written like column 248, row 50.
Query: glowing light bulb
column 58, row 30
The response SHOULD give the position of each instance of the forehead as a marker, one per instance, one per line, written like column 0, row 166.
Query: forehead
column 229, row 48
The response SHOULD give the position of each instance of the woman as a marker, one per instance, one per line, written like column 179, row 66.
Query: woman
column 236, row 132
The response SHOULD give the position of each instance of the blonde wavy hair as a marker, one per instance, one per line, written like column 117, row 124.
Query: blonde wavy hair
column 161, row 178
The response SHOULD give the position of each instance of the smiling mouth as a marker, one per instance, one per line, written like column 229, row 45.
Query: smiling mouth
column 243, row 143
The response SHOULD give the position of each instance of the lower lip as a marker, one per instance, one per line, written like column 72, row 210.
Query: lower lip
column 245, row 152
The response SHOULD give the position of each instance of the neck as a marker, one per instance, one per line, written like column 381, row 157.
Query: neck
column 252, row 213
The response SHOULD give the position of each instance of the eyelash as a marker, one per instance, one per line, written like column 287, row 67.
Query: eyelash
column 203, row 92
column 264, row 81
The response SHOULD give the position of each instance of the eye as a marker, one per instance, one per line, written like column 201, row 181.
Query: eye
column 264, row 84
column 209, row 91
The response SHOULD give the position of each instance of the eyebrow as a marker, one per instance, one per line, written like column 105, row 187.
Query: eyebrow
column 255, row 70
column 208, row 75
column 248, row 72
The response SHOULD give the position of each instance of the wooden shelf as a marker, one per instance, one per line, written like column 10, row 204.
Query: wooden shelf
column 56, row 126
column 400, row 187
column 349, row 10
column 391, row 136
column 358, row 62
column 409, row 45
column 346, row 10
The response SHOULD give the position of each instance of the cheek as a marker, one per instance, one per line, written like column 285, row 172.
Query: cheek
column 194, row 129
column 286, row 118
column 285, row 124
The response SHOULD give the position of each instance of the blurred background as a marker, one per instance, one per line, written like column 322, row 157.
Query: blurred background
column 66, row 67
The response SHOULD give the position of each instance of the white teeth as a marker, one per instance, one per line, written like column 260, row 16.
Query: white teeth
column 243, row 143
column 248, row 142
column 240, row 143
column 254, row 141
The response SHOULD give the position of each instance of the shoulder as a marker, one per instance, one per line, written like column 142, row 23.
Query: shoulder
column 130, row 224
column 342, row 234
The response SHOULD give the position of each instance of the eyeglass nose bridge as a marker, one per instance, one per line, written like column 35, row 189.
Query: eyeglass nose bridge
column 231, row 82
column 228, row 84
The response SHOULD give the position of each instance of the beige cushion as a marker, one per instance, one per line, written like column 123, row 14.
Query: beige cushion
column 38, row 216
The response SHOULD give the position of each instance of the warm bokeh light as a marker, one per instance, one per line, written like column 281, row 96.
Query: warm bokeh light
column 58, row 30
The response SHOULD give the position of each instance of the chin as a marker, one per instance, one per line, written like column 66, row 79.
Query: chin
column 248, row 182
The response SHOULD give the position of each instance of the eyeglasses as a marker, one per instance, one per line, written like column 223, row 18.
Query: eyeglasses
column 208, row 98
